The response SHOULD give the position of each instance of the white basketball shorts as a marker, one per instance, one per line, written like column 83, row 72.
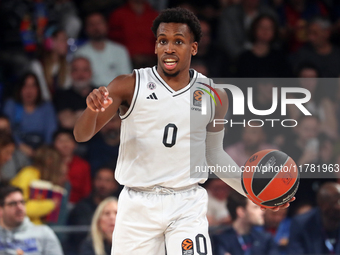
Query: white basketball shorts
column 159, row 221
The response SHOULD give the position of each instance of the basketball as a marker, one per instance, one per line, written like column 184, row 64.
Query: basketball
column 270, row 178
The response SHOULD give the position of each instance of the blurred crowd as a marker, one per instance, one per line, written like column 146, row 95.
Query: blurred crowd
column 54, row 52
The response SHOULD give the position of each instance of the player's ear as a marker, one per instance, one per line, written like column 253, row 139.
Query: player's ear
column 194, row 47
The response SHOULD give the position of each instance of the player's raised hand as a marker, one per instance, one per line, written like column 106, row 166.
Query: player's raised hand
column 98, row 100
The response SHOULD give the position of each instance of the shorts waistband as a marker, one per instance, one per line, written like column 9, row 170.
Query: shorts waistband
column 163, row 190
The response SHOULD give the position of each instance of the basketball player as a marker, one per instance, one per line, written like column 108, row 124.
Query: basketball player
column 161, row 209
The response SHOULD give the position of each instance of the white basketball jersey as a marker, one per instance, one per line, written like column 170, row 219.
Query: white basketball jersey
column 157, row 134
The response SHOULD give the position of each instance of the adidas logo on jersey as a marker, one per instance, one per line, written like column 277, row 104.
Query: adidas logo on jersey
column 152, row 96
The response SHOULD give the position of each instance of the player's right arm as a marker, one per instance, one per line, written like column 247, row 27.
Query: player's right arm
column 102, row 105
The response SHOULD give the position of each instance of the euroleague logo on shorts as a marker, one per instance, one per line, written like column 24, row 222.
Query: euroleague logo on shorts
column 187, row 247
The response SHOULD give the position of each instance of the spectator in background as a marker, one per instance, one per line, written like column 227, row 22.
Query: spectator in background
column 295, row 15
column 185, row 4
column 215, row 60
column 206, row 9
column 104, row 185
column 66, row 11
column 253, row 140
column 77, row 169
column 53, row 70
column 103, row 148
column 103, row 6
column 326, row 154
column 159, row 5
column 318, row 231
column 47, row 166
column 33, row 121
column 264, row 59
column 242, row 238
column 108, row 59
column 335, row 16
column 5, row 124
column 337, row 106
column 313, row 180
column 304, row 148
column 18, row 160
column 320, row 51
column 22, row 31
column 300, row 207
column 262, row 100
column 102, row 227
column 278, row 225
column 7, row 148
column 134, row 20
column 71, row 102
column 17, row 234
column 234, row 24
column 218, row 192
column 320, row 105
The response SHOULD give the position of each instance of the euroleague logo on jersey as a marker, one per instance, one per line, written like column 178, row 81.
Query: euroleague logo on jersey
column 211, row 95
column 187, row 247
column 198, row 95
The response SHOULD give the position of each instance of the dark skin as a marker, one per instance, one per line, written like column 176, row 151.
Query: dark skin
column 329, row 202
column 174, row 41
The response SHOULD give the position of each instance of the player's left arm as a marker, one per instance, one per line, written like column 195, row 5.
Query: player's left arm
column 216, row 155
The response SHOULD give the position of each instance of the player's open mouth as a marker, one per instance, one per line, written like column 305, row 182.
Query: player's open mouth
column 170, row 63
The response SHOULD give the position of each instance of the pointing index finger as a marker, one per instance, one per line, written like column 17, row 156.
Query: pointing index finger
column 104, row 91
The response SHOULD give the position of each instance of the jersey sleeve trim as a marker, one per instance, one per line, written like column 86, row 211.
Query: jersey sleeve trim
column 135, row 95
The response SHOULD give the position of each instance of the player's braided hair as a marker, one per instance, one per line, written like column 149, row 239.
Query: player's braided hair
column 179, row 15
